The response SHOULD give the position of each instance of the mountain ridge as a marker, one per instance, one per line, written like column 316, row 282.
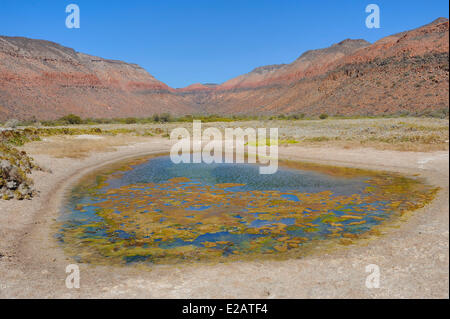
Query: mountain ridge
column 43, row 79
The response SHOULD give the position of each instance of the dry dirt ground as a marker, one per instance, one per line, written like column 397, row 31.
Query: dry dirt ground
column 413, row 255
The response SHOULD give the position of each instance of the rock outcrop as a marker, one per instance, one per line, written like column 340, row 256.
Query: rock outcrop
column 14, row 167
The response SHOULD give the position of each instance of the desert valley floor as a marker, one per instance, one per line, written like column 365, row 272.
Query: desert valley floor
column 412, row 252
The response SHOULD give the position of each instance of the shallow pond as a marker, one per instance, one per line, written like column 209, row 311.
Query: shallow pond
column 154, row 211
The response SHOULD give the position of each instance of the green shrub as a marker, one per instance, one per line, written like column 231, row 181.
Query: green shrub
column 323, row 116
column 130, row 120
column 296, row 116
column 166, row 117
column 71, row 119
column 156, row 118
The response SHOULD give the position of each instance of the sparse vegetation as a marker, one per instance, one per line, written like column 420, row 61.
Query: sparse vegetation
column 165, row 117
column 71, row 119
column 130, row 120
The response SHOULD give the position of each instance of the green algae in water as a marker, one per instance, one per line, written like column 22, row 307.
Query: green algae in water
column 162, row 213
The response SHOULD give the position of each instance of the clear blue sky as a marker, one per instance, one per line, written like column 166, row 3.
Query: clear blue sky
column 209, row 41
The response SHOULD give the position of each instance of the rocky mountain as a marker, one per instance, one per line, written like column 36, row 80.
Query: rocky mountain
column 46, row 80
column 309, row 63
column 405, row 72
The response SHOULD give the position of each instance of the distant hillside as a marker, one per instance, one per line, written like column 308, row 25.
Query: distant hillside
column 405, row 72
column 48, row 80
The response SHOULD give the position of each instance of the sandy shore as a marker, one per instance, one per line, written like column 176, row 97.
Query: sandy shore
column 413, row 256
